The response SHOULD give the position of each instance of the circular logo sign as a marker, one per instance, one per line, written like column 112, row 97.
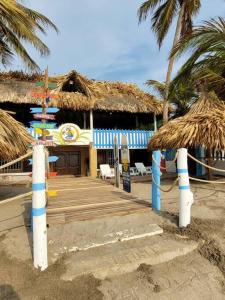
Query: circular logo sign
column 69, row 132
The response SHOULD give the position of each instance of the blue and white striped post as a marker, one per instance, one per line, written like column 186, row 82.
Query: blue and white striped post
column 185, row 194
column 39, row 208
column 156, row 203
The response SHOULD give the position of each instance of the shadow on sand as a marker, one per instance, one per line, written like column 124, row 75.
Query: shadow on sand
column 8, row 293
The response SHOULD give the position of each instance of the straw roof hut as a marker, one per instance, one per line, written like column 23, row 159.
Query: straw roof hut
column 203, row 125
column 14, row 138
column 77, row 92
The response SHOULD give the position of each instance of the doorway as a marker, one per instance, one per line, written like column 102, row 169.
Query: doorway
column 69, row 162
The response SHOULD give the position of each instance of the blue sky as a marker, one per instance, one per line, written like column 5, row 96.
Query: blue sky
column 102, row 39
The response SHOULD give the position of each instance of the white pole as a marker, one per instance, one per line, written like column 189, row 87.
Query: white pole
column 185, row 194
column 91, row 120
column 39, row 208
column 155, row 123
column 85, row 120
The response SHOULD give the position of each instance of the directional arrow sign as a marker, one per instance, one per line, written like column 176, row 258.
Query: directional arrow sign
column 48, row 137
column 45, row 143
column 37, row 124
column 51, row 85
column 50, row 159
column 51, row 174
column 38, row 131
column 39, row 110
column 44, row 116
column 42, row 95
column 52, row 193
column 53, row 158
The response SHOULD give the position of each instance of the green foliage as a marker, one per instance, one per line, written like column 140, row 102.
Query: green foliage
column 181, row 95
column 163, row 13
column 20, row 25
column 206, row 64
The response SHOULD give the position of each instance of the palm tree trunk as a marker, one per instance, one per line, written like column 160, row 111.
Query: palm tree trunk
column 170, row 66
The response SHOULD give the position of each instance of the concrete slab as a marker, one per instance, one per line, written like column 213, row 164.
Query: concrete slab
column 124, row 257
column 95, row 233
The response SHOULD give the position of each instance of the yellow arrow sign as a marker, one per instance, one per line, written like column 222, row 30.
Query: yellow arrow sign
column 38, row 130
column 52, row 193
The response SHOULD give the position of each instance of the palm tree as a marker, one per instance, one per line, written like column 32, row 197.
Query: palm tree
column 164, row 12
column 181, row 95
column 207, row 61
column 18, row 25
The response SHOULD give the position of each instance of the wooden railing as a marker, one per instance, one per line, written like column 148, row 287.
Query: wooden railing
column 104, row 138
column 17, row 167
column 137, row 139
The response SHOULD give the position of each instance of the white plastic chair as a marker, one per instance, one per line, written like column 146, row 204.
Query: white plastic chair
column 142, row 170
column 134, row 171
column 106, row 172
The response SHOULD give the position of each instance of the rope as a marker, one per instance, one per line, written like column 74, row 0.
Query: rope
column 157, row 163
column 206, row 181
column 16, row 198
column 16, row 160
column 201, row 163
column 165, row 191
column 164, row 168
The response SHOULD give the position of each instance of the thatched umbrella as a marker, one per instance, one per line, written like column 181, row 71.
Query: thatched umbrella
column 203, row 125
column 207, row 102
column 202, row 129
column 14, row 139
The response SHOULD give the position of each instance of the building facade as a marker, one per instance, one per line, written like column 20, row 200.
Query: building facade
column 91, row 114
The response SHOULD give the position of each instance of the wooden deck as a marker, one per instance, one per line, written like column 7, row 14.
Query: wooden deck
column 80, row 199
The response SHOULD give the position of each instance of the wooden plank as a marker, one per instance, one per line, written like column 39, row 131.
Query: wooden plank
column 48, row 110
column 44, row 116
column 42, row 95
column 80, row 207
column 40, row 125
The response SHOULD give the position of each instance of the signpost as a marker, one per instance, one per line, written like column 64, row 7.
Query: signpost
column 41, row 125
column 46, row 143
column 40, row 169
column 125, row 159
column 36, row 94
column 50, row 159
column 49, row 110
column 116, row 162
column 44, row 116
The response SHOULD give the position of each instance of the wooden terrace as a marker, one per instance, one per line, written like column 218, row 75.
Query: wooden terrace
column 80, row 199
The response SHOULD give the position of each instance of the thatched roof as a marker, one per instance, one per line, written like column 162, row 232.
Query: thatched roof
column 77, row 92
column 203, row 125
column 207, row 102
column 14, row 138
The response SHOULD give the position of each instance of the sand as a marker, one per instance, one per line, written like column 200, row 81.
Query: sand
column 197, row 275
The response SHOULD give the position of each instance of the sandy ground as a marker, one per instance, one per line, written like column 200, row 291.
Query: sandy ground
column 197, row 275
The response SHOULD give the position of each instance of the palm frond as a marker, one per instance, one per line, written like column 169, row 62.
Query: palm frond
column 162, row 19
column 146, row 8
column 19, row 25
